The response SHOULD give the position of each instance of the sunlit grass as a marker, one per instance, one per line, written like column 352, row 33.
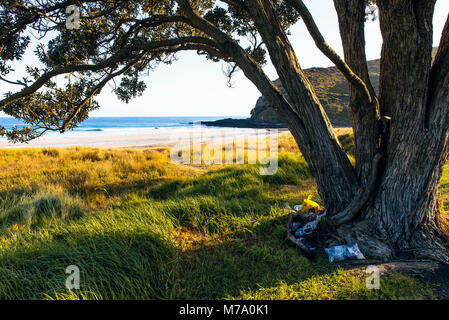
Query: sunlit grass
column 141, row 227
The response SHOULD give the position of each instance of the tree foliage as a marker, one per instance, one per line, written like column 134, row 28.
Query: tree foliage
column 116, row 39
column 122, row 39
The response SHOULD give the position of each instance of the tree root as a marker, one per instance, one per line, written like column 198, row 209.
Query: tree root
column 411, row 267
column 423, row 245
column 428, row 246
column 369, row 245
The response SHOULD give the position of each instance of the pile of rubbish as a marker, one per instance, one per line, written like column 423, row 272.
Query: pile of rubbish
column 343, row 252
column 315, row 213
column 305, row 220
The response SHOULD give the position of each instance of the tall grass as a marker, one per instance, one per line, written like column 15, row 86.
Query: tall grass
column 141, row 227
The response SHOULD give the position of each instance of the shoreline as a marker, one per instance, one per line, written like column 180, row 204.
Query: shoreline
column 144, row 138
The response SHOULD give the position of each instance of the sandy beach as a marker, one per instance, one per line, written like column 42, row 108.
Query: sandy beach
column 138, row 138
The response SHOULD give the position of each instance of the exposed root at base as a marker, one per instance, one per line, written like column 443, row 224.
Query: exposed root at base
column 421, row 246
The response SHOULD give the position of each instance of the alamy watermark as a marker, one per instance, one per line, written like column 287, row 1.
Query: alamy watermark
column 246, row 147
column 373, row 280
column 73, row 17
column 73, row 280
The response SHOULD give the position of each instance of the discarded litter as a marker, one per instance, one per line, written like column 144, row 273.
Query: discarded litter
column 305, row 220
column 295, row 226
column 306, row 244
column 309, row 227
column 343, row 252
column 309, row 204
column 310, row 213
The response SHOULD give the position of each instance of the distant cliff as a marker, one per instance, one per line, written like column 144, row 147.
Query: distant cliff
column 332, row 90
column 244, row 123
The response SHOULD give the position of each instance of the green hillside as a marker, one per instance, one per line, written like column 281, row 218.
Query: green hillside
column 332, row 89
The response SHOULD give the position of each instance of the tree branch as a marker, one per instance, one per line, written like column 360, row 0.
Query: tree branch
column 36, row 14
column 235, row 3
column 253, row 72
column 98, row 87
column 114, row 59
column 439, row 82
column 13, row 82
column 317, row 139
column 365, row 116
column 354, row 79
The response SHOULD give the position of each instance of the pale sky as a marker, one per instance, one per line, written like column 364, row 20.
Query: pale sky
column 194, row 86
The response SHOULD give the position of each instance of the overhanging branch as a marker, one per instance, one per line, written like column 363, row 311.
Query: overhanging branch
column 98, row 87
column 113, row 60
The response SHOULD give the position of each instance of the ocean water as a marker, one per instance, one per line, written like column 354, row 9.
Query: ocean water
column 98, row 124
column 132, row 131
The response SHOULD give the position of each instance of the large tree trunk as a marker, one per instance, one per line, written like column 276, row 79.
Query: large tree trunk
column 405, row 209
column 365, row 115
column 402, row 219
column 400, row 216
column 388, row 207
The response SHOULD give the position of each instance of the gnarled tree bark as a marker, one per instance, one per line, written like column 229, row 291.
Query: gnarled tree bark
column 390, row 210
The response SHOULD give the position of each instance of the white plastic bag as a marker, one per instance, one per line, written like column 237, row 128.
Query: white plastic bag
column 343, row 252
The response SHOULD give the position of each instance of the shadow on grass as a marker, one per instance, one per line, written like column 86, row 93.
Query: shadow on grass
column 112, row 266
column 257, row 258
column 144, row 265
column 236, row 182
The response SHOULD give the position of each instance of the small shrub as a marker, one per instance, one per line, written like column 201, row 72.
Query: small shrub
column 51, row 152
column 17, row 214
column 47, row 207
column 91, row 155
column 62, row 206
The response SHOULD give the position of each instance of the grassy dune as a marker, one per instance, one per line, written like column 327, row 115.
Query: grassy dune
column 141, row 227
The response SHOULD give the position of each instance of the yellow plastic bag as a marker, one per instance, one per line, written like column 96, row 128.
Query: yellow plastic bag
column 308, row 204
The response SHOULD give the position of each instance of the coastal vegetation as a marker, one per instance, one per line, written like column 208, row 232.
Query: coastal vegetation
column 140, row 227
column 386, row 199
